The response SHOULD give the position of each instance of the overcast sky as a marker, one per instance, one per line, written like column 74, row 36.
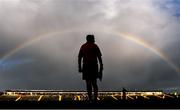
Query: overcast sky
column 51, row 61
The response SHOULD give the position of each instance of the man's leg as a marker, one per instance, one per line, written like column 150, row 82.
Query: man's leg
column 89, row 89
column 95, row 87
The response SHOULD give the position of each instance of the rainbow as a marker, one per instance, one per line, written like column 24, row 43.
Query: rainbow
column 123, row 35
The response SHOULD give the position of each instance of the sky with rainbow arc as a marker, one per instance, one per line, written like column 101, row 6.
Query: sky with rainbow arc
column 40, row 41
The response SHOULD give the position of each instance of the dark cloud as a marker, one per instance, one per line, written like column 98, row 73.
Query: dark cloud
column 54, row 65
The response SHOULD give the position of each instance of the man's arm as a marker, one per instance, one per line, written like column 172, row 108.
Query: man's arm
column 100, row 63
column 99, row 58
column 79, row 63
column 100, row 74
column 80, row 56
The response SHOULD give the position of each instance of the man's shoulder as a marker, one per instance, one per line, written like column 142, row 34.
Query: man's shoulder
column 89, row 45
column 95, row 44
column 83, row 45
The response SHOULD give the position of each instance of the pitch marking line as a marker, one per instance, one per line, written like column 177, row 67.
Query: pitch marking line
column 130, row 97
column 159, row 96
column 145, row 97
column 169, row 96
column 98, row 98
column 18, row 98
column 40, row 98
column 114, row 97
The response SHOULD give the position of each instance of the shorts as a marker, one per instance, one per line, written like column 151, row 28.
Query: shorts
column 90, row 71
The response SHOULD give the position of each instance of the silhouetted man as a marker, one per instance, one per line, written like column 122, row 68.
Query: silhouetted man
column 90, row 53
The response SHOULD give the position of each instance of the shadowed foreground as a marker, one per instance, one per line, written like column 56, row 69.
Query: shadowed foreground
column 51, row 99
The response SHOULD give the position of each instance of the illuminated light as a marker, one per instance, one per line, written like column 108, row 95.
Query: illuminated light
column 10, row 93
column 163, row 97
column 149, row 93
column 39, row 99
column 145, row 97
column 136, row 97
column 60, row 97
column 169, row 96
column 152, row 93
column 130, row 97
column 98, row 98
column 131, row 93
column 175, row 93
column 18, row 98
column 78, row 97
column 159, row 96
column 123, row 35
column 114, row 97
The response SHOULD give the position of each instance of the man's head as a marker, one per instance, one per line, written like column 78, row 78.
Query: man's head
column 90, row 38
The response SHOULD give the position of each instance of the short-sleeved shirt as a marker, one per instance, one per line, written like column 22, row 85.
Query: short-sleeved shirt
column 89, row 52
